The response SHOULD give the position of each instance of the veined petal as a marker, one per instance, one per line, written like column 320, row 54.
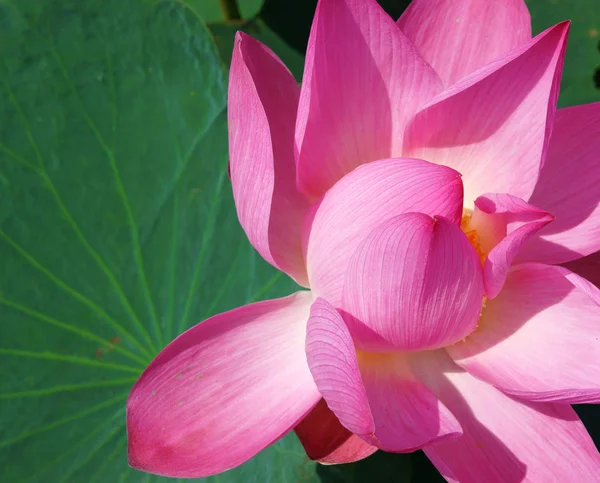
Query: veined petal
column 568, row 188
column 362, row 200
column 494, row 125
column 374, row 395
column 504, row 439
column 363, row 80
column 458, row 37
column 539, row 339
column 503, row 224
column 263, row 99
column 240, row 376
column 415, row 283
column 327, row 441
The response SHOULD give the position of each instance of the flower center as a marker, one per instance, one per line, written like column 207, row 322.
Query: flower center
column 471, row 234
column 474, row 239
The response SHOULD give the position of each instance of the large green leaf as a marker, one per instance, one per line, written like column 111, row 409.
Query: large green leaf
column 212, row 10
column 117, row 228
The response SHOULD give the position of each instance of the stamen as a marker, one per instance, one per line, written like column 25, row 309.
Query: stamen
column 473, row 237
column 472, row 234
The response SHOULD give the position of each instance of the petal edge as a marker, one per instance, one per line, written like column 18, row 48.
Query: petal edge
column 206, row 390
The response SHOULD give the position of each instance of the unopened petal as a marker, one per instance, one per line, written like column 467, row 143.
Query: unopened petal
column 416, row 283
column 361, row 201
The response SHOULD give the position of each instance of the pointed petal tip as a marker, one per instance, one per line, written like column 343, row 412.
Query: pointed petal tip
column 238, row 42
column 563, row 28
column 452, row 173
column 237, row 56
column 536, row 67
column 566, row 24
column 496, row 203
column 242, row 40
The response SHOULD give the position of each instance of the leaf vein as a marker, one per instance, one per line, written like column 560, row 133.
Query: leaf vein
column 70, row 359
column 67, row 288
column 133, row 228
column 63, row 421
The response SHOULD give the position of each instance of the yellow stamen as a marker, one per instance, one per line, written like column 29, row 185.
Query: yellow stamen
column 474, row 240
column 471, row 234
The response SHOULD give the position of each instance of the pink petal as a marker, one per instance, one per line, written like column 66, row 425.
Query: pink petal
column 415, row 282
column 587, row 267
column 362, row 200
column 263, row 98
column 539, row 340
column 374, row 396
column 568, row 187
column 363, row 80
column 327, row 441
column 505, row 440
column 504, row 223
column 223, row 390
column 494, row 125
column 457, row 37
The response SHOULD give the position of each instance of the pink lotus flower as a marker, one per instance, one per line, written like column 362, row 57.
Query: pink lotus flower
column 422, row 184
